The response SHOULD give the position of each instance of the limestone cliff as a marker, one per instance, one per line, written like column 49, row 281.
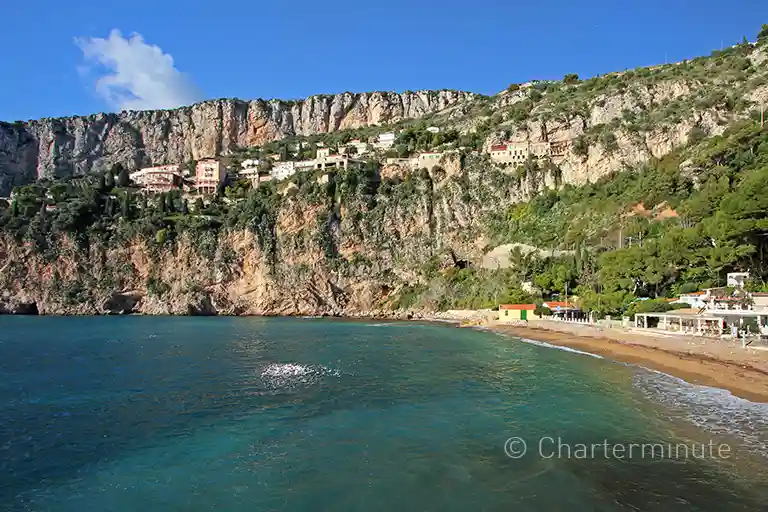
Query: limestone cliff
column 347, row 253
column 359, row 247
column 77, row 145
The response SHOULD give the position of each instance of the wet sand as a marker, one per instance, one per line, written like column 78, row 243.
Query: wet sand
column 715, row 363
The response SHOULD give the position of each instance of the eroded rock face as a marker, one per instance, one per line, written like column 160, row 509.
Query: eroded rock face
column 76, row 145
column 379, row 251
column 19, row 307
column 631, row 148
column 122, row 302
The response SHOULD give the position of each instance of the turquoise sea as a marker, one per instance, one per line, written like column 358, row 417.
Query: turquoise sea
column 140, row 413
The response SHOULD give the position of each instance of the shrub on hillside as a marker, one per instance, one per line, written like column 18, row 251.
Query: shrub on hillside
column 571, row 78
column 763, row 34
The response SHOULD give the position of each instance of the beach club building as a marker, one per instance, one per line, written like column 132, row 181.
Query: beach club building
column 562, row 309
column 517, row 312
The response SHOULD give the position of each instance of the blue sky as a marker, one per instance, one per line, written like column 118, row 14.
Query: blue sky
column 55, row 52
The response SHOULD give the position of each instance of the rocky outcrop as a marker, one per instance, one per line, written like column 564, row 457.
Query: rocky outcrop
column 631, row 148
column 77, row 145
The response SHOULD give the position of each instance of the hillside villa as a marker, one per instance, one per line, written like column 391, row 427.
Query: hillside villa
column 517, row 152
column 514, row 153
column 249, row 170
column 209, row 175
column 385, row 140
column 361, row 148
column 161, row 178
column 324, row 161
column 425, row 160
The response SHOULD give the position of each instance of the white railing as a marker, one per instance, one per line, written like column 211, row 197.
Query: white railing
column 583, row 321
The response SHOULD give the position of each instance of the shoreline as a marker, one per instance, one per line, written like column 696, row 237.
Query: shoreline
column 744, row 373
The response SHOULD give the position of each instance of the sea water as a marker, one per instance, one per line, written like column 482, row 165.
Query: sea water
column 140, row 413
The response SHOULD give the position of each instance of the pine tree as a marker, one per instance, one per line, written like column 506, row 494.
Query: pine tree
column 125, row 206
column 109, row 207
column 170, row 207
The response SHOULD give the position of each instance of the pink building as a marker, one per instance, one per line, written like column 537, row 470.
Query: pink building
column 209, row 174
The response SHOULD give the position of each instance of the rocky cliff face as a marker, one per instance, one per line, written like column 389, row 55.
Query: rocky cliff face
column 621, row 120
column 76, row 145
column 353, row 264
column 352, row 252
column 608, row 113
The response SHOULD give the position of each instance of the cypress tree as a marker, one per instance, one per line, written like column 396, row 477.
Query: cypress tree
column 123, row 178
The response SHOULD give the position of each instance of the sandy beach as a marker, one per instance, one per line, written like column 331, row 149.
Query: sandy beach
column 716, row 363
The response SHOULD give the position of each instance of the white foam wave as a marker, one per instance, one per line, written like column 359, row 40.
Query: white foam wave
column 279, row 375
column 712, row 409
column 558, row 347
column 285, row 370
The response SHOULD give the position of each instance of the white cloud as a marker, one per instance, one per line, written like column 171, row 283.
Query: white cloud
column 134, row 74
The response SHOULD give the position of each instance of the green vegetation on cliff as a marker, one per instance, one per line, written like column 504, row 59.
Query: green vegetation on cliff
column 379, row 239
column 673, row 225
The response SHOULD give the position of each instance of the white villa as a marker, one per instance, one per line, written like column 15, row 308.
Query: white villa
column 324, row 161
column 161, row 178
column 249, row 170
column 427, row 160
column 283, row 170
column 385, row 140
column 360, row 147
